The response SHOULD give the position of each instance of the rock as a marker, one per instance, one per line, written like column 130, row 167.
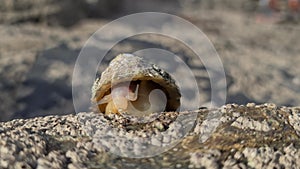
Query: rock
column 245, row 123
column 28, row 45
column 54, row 12
column 206, row 160
column 294, row 119
column 54, row 159
column 89, row 140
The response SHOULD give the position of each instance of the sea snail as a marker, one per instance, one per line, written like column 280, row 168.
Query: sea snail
column 134, row 86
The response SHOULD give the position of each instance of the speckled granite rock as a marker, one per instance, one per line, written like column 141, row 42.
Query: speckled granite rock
column 233, row 136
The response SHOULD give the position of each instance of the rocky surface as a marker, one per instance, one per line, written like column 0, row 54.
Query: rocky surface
column 232, row 136
column 54, row 12
column 40, row 42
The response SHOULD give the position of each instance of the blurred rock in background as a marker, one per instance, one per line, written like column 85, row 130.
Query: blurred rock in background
column 40, row 41
column 55, row 12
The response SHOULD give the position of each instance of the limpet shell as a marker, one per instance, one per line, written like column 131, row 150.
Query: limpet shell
column 134, row 79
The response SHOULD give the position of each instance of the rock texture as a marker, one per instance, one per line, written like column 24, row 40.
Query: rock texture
column 232, row 136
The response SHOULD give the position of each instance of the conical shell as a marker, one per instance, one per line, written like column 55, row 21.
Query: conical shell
column 127, row 68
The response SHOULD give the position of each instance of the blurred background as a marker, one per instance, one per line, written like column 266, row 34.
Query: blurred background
column 258, row 42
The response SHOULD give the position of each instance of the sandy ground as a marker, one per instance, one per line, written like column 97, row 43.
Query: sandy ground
column 38, row 53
